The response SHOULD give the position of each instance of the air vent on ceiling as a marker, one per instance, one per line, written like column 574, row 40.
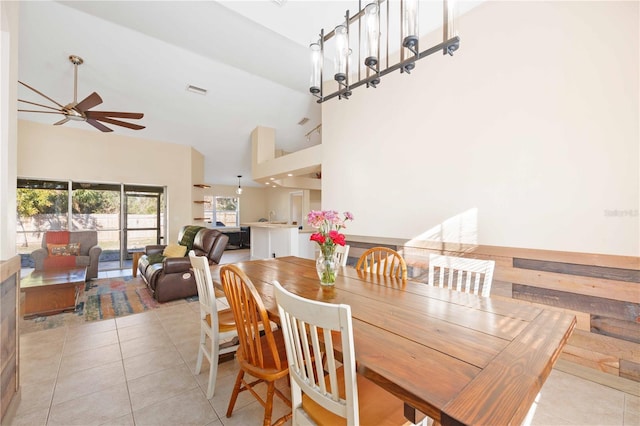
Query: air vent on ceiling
column 196, row 89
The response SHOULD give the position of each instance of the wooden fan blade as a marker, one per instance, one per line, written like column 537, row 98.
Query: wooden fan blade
column 40, row 105
column 99, row 126
column 44, row 112
column 40, row 93
column 89, row 102
column 100, row 114
column 64, row 120
column 121, row 123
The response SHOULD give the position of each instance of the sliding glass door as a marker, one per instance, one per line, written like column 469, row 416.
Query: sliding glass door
column 143, row 217
column 126, row 217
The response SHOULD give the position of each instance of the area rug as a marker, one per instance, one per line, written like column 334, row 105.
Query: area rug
column 111, row 298
column 101, row 300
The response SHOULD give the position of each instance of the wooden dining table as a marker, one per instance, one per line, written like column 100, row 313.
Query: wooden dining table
column 461, row 359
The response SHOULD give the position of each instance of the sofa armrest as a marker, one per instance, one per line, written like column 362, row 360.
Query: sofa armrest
column 38, row 257
column 94, row 252
column 154, row 249
column 173, row 265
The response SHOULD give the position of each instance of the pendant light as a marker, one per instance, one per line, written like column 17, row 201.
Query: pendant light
column 239, row 190
column 372, row 32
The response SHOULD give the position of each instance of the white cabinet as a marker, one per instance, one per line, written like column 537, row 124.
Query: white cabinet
column 307, row 248
column 273, row 240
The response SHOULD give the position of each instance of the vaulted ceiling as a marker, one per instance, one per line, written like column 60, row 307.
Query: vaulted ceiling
column 140, row 56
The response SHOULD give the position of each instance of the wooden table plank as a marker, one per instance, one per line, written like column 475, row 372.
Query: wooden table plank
column 509, row 385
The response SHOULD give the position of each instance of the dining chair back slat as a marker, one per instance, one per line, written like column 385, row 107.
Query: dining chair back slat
column 342, row 253
column 461, row 274
column 383, row 261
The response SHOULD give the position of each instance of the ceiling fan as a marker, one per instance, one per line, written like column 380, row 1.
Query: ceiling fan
column 79, row 111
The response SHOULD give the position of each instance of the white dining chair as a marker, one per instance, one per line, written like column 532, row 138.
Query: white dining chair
column 342, row 253
column 328, row 395
column 461, row 274
column 216, row 324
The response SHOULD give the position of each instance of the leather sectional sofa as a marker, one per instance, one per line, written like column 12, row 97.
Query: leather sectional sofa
column 172, row 278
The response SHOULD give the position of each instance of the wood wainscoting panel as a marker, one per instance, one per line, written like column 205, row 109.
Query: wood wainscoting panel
column 9, row 336
column 602, row 290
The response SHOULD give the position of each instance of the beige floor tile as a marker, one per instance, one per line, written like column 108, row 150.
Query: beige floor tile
column 92, row 327
column 89, row 358
column 632, row 403
column 38, row 370
column 188, row 408
column 141, row 330
column 31, row 418
column 152, row 362
column 144, row 344
column 136, row 319
column 179, row 329
column 93, row 409
column 44, row 341
column 126, row 420
column 175, row 312
column 35, row 396
column 88, row 381
column 160, row 386
column 188, row 346
column 631, row 418
column 577, row 398
column 542, row 419
column 85, row 341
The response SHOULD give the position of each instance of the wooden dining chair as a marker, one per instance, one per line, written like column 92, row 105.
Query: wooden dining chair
column 461, row 274
column 335, row 394
column 342, row 253
column 217, row 325
column 262, row 352
column 383, row 261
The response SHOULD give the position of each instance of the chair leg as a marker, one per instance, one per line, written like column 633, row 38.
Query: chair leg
column 200, row 350
column 236, row 390
column 268, row 408
column 213, row 366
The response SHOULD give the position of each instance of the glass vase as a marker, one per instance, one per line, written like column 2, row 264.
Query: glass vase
column 327, row 268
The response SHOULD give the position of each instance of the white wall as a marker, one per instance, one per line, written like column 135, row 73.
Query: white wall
column 527, row 137
column 8, row 122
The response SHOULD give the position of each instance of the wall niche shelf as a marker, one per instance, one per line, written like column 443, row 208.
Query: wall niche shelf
column 202, row 185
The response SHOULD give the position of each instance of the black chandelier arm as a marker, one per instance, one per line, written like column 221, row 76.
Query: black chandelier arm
column 448, row 46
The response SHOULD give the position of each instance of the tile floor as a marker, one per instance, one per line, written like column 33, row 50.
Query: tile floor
column 139, row 370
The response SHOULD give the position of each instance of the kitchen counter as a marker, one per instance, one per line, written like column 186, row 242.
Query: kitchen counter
column 269, row 225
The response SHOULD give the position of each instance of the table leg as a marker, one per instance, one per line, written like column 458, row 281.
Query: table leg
column 136, row 255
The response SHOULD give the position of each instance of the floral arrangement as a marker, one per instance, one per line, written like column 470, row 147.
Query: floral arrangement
column 329, row 223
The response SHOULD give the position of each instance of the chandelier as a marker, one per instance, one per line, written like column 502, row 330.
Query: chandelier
column 362, row 33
